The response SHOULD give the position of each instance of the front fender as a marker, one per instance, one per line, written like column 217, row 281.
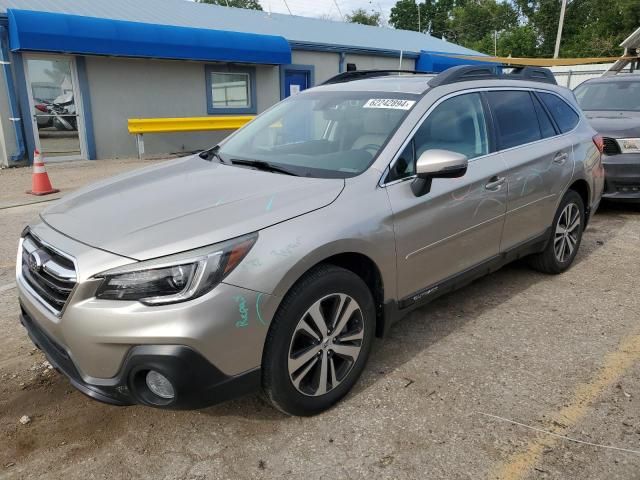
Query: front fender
column 360, row 221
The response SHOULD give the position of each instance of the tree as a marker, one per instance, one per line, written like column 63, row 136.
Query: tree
column 248, row 4
column 525, row 28
column 360, row 15
column 477, row 20
column 404, row 15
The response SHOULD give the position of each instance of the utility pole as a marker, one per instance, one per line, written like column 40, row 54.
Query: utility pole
column 495, row 43
column 419, row 26
column 560, row 24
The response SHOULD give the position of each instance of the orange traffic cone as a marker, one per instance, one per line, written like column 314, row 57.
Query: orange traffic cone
column 40, row 184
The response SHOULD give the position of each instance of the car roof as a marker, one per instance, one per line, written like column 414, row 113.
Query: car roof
column 402, row 83
column 418, row 84
column 621, row 77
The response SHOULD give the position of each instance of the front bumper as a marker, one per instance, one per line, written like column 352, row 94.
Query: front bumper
column 622, row 177
column 205, row 343
column 197, row 383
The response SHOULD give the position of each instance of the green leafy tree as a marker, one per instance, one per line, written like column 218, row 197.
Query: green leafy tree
column 524, row 28
column 404, row 15
column 476, row 20
column 248, row 4
column 360, row 15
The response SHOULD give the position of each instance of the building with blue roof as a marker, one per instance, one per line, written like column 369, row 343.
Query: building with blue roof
column 74, row 71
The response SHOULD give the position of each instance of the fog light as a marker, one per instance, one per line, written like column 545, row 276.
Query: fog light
column 160, row 385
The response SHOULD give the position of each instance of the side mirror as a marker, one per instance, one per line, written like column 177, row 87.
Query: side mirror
column 437, row 164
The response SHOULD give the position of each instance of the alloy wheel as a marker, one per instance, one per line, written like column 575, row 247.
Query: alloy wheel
column 325, row 344
column 567, row 231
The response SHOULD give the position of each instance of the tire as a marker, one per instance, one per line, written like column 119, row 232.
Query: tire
column 554, row 260
column 297, row 350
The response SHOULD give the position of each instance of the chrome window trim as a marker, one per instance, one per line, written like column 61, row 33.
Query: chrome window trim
column 383, row 184
column 29, row 289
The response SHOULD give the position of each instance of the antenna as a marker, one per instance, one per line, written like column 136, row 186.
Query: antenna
column 287, row 5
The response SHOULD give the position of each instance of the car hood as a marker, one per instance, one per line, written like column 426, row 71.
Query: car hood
column 615, row 124
column 184, row 204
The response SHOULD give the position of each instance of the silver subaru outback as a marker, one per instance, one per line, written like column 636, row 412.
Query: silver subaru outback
column 272, row 260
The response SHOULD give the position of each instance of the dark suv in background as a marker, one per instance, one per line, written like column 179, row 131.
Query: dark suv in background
column 612, row 105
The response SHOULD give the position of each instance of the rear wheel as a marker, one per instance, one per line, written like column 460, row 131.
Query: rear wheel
column 566, row 236
column 319, row 341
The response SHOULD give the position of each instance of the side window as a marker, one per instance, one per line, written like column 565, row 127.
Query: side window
column 405, row 165
column 546, row 127
column 457, row 124
column 566, row 118
column 515, row 118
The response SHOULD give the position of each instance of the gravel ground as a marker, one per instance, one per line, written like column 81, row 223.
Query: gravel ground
column 554, row 353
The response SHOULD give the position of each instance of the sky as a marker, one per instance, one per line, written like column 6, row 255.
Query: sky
column 320, row 8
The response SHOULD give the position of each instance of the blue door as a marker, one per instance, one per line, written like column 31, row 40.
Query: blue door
column 295, row 81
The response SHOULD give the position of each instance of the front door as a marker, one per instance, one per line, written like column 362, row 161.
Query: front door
column 458, row 224
column 55, row 106
column 296, row 81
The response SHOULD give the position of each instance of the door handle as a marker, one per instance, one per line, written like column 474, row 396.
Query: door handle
column 495, row 183
column 560, row 158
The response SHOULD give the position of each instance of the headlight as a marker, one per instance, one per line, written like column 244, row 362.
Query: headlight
column 175, row 278
column 629, row 145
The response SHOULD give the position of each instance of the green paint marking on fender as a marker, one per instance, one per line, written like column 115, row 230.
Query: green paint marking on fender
column 243, row 310
column 270, row 204
column 258, row 308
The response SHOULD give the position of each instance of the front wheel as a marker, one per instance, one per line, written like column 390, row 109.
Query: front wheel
column 319, row 341
column 566, row 236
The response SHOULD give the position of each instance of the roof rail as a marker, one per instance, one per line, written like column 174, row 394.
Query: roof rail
column 362, row 74
column 466, row 73
column 534, row 74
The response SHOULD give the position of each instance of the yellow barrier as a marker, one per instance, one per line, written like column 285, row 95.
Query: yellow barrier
column 141, row 126
column 187, row 124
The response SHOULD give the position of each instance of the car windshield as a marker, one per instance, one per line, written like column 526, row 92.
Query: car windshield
column 321, row 134
column 614, row 95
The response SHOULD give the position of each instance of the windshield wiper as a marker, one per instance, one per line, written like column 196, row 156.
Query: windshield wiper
column 262, row 165
column 212, row 153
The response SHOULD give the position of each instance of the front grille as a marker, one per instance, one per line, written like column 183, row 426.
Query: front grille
column 611, row 147
column 50, row 273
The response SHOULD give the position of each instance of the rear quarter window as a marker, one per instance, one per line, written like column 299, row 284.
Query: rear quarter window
column 566, row 118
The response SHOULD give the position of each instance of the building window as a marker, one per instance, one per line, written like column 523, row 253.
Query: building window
column 230, row 90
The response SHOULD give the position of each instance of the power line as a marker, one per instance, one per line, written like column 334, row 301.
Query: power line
column 335, row 2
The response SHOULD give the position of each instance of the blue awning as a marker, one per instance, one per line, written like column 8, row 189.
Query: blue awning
column 62, row 33
column 440, row 61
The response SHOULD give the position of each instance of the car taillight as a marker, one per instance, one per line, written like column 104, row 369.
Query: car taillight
column 599, row 142
column 42, row 107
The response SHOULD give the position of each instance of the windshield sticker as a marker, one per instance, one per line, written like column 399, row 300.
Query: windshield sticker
column 395, row 103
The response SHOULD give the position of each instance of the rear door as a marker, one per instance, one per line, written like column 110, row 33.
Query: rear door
column 458, row 224
column 539, row 161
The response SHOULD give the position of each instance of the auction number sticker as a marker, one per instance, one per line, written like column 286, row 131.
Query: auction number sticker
column 395, row 103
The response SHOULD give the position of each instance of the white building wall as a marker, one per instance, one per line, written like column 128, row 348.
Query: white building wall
column 123, row 88
column 372, row 62
column 8, row 145
column 327, row 64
